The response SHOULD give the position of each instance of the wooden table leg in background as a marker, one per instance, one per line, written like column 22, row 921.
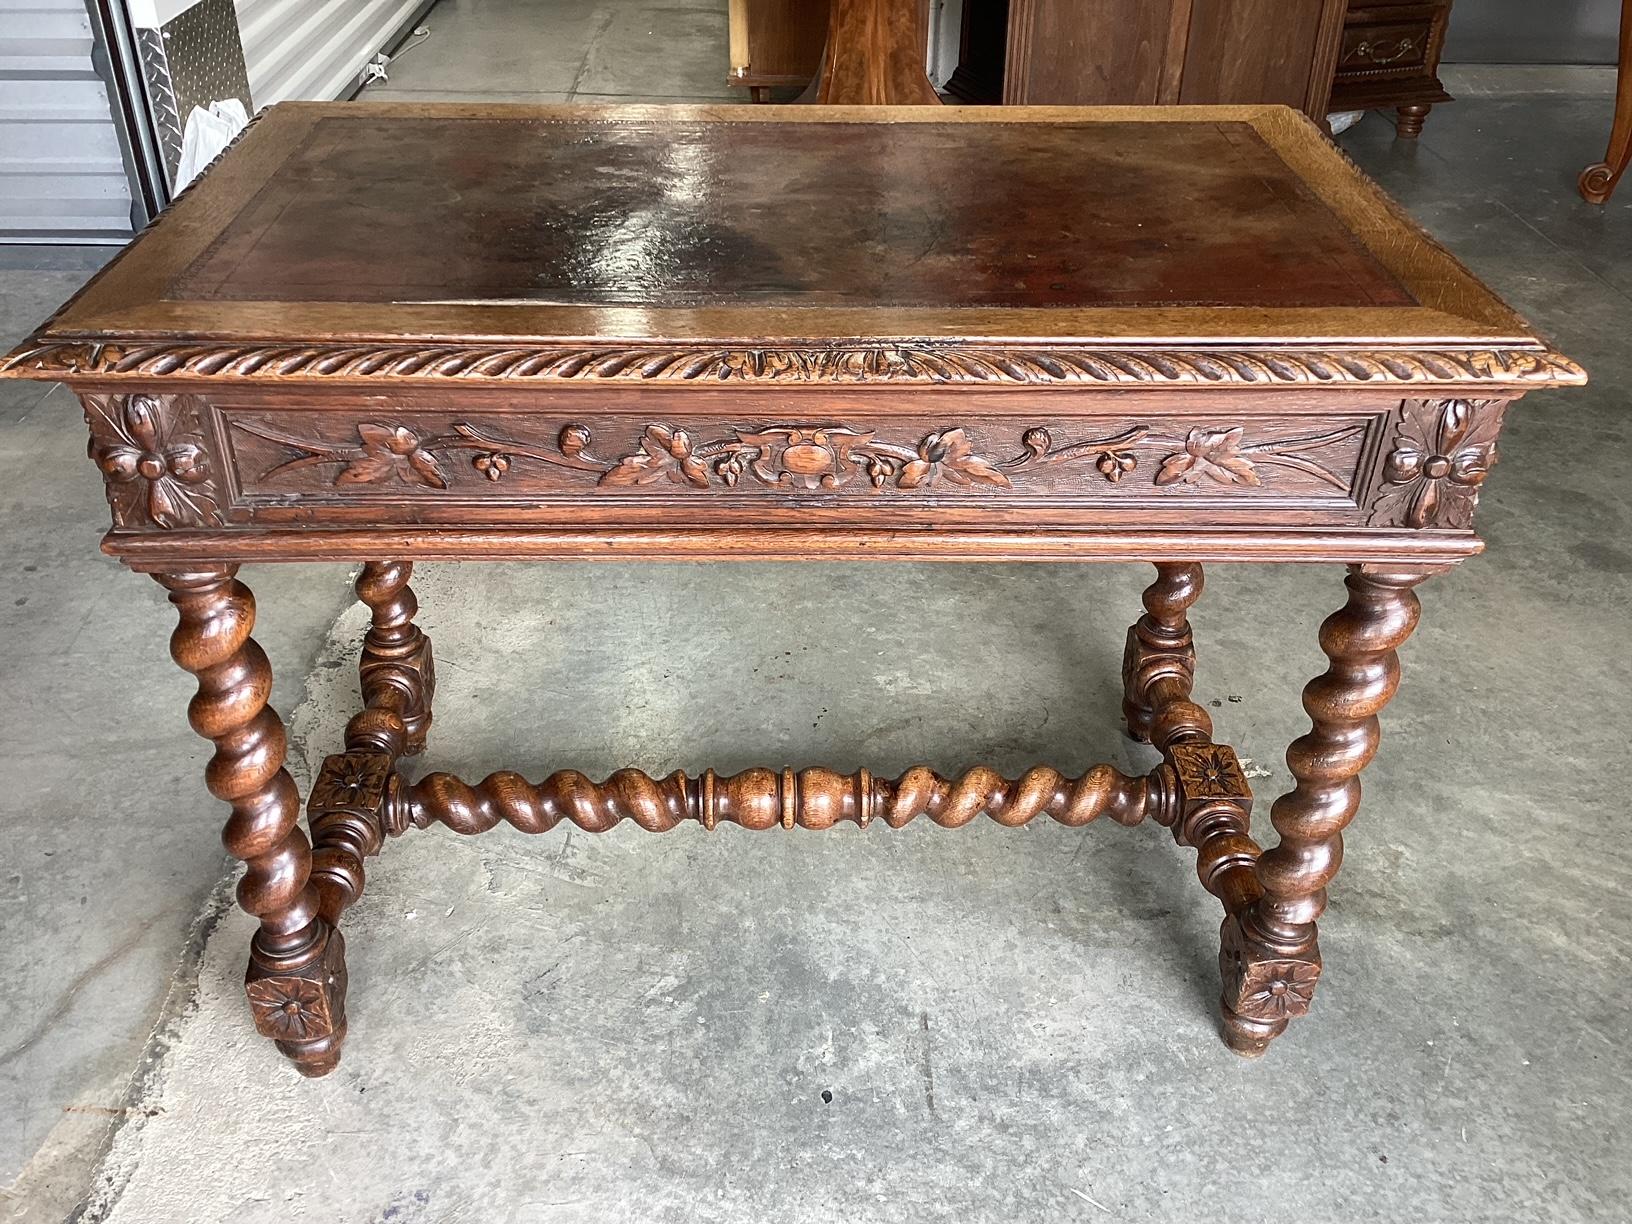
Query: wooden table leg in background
column 1598, row 182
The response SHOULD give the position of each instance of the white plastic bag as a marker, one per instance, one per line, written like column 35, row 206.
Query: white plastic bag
column 206, row 134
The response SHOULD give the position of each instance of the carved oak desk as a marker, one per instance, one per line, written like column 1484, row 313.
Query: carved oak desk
column 379, row 334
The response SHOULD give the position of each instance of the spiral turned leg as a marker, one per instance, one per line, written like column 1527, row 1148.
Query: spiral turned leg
column 398, row 676
column 356, row 791
column 1160, row 649
column 296, row 979
column 1270, row 957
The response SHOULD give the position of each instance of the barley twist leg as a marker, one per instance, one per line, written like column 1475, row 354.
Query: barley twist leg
column 1270, row 955
column 355, row 791
column 398, row 676
column 1161, row 650
column 296, row 979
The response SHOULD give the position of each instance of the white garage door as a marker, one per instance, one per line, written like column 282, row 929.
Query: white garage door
column 314, row 50
column 62, row 175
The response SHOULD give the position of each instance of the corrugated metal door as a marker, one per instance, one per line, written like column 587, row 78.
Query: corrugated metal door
column 314, row 50
column 62, row 171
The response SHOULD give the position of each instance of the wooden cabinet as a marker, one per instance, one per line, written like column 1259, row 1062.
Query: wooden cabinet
column 1389, row 57
column 1143, row 52
column 776, row 43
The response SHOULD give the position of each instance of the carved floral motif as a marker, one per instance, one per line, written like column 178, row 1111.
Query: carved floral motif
column 352, row 780
column 160, row 463
column 386, row 452
column 1211, row 455
column 820, row 458
column 1260, row 986
column 290, row 1008
column 1209, row 771
column 1443, row 451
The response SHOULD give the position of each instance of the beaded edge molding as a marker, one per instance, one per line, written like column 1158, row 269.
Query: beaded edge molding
column 892, row 363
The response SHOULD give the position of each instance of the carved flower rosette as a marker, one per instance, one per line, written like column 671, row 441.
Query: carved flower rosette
column 153, row 460
column 1442, row 453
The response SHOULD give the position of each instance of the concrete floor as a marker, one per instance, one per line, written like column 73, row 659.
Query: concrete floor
column 1011, row 1025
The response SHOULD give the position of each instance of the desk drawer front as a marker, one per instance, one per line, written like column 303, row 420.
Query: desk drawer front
column 243, row 463
column 428, row 461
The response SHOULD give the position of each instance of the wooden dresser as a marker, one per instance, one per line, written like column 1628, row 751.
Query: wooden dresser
column 1390, row 58
column 776, row 43
column 1143, row 52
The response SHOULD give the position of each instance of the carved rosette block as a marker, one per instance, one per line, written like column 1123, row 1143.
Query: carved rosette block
column 151, row 452
column 1442, row 451
column 1200, row 791
column 302, row 1005
column 350, row 811
column 1263, row 990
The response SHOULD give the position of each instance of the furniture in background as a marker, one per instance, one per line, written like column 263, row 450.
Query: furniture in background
column 776, row 44
column 874, row 55
column 983, row 39
column 1144, row 52
column 1598, row 182
column 1389, row 59
column 1043, row 335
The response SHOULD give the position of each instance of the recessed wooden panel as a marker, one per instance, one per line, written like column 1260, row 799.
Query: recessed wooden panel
column 1252, row 50
column 415, row 463
column 1087, row 52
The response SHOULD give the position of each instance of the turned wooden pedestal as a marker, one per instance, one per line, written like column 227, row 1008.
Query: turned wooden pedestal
column 1177, row 337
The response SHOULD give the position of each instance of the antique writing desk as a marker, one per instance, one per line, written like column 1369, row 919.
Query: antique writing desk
column 381, row 333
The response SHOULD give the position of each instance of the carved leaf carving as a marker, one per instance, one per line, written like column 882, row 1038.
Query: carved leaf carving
column 949, row 454
column 388, row 451
column 1210, row 455
column 664, row 454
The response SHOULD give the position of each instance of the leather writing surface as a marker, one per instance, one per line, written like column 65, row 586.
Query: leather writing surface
column 605, row 212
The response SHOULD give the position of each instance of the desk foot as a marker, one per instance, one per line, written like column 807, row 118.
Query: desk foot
column 1411, row 119
column 296, row 981
column 1270, row 954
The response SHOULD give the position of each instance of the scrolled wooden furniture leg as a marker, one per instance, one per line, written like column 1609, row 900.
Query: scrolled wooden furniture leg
column 296, row 979
column 1270, row 957
column 1598, row 182
column 1160, row 645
